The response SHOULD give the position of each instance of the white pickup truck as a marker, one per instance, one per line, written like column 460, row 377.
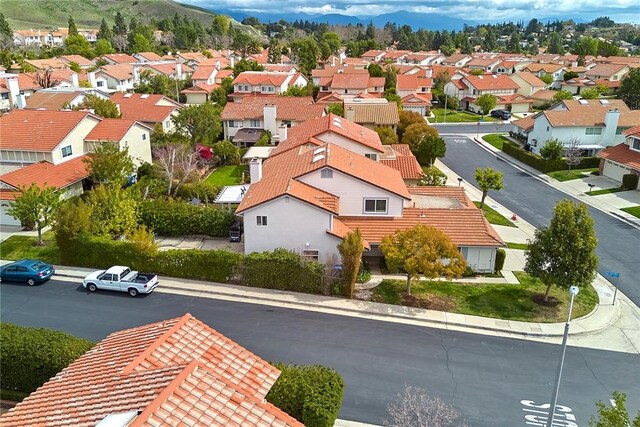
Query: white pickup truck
column 120, row 278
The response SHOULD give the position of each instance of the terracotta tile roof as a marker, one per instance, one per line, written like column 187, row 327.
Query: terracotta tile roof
column 8, row 194
column 312, row 195
column 514, row 98
column 465, row 227
column 340, row 230
column 78, row 59
column 476, row 62
column 634, row 131
column 222, row 74
column 298, row 109
column 280, row 170
column 279, row 68
column 355, row 62
column 168, row 69
column 530, row 78
column 611, row 84
column 589, row 115
column 26, row 81
column 143, row 107
column 119, row 58
column 111, row 130
column 376, row 82
column 172, row 373
column 622, row 154
column 50, row 100
column 543, row 94
column 412, row 82
column 606, row 70
column 455, row 58
column 492, row 82
column 525, row 123
column 43, row 64
column 584, row 104
column 203, row 72
column 255, row 78
column 47, row 174
column 378, row 114
column 404, row 162
column 150, row 56
column 395, row 54
column 38, row 130
column 446, row 191
column 372, row 53
column 117, row 71
column 459, row 84
column 304, row 133
column 200, row 88
column 194, row 56
column 350, row 81
column 547, row 68
column 418, row 99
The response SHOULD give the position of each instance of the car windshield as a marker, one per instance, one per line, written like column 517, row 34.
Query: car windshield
column 39, row 266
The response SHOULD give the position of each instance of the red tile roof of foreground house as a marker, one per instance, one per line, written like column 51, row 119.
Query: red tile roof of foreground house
column 117, row 71
column 446, row 191
column 525, row 123
column 465, row 227
column 120, row 58
column 203, row 72
column 340, row 230
column 50, row 100
column 47, row 174
column 298, row 109
column 78, row 59
column 350, row 81
column 143, row 107
column 112, row 130
column 38, row 130
column 492, row 82
column 306, row 133
column 634, row 131
column 412, row 82
column 622, row 154
column 405, row 162
column 171, row 373
column 418, row 99
column 255, row 78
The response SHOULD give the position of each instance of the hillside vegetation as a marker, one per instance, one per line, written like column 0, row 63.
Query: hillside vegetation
column 51, row 14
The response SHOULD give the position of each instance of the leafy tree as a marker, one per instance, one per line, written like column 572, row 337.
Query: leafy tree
column 5, row 29
column 72, row 219
column 590, row 93
column 407, row 118
column 606, row 48
column 350, row 250
column 488, row 179
column 220, row 25
column 429, row 148
column 416, row 132
column 200, row 122
column 390, row 77
column 109, row 165
column 476, row 72
column 227, row 152
column 441, row 79
column 78, row 45
column 486, row 102
column 177, row 163
column 568, row 75
column 242, row 42
column 391, row 96
column 105, row 108
column 489, row 43
column 513, row 45
column 555, row 44
column 295, row 91
column 103, row 47
column 375, row 70
column 104, row 33
column 305, row 53
column 140, row 44
column 552, row 151
column 337, row 109
column 466, row 46
column 114, row 212
column 35, row 206
column 332, row 41
column 629, row 90
column 218, row 96
column 74, row 66
column 245, row 65
column 275, row 52
column 386, row 134
column 120, row 26
column 561, row 95
column 585, row 45
column 432, row 178
column 616, row 415
column 564, row 253
column 73, row 30
column 422, row 250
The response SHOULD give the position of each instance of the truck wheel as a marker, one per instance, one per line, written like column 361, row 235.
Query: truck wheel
column 92, row 287
column 133, row 292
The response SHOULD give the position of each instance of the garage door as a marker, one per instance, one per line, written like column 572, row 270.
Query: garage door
column 614, row 170
column 5, row 218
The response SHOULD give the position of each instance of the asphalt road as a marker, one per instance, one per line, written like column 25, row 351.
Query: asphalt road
column 533, row 201
column 485, row 377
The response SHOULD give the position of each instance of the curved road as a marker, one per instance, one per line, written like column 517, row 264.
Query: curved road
column 534, row 200
column 485, row 377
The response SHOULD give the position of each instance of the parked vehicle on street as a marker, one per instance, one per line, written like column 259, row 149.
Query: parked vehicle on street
column 501, row 114
column 121, row 278
column 29, row 271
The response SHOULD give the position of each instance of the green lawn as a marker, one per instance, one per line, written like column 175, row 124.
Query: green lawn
column 494, row 217
column 573, row 174
column 633, row 210
column 459, row 116
column 496, row 140
column 20, row 247
column 228, row 175
column 521, row 246
column 502, row 301
column 606, row 191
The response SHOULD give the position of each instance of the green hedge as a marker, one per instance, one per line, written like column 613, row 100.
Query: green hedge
column 203, row 190
column 283, row 270
column 32, row 356
column 501, row 255
column 541, row 164
column 176, row 218
column 630, row 181
column 311, row 394
column 99, row 252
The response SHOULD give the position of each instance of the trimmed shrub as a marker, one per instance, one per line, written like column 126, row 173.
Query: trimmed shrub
column 311, row 394
column 203, row 190
column 587, row 163
column 283, row 270
column 541, row 164
column 176, row 218
column 630, row 181
column 31, row 356
column 501, row 255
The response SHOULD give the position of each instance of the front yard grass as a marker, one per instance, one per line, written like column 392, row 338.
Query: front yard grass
column 227, row 175
column 459, row 116
column 501, row 301
column 573, row 174
column 606, row 191
column 633, row 210
column 495, row 139
column 520, row 246
column 494, row 217
column 21, row 247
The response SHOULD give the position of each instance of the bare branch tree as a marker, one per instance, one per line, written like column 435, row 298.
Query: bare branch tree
column 415, row 408
column 178, row 164
column 572, row 152
column 45, row 79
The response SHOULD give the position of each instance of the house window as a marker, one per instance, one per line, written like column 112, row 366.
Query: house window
column 100, row 83
column 635, row 144
column 619, row 130
column 254, row 123
column 378, row 206
column 144, row 136
column 326, row 173
column 593, row 131
column 66, row 151
column 547, row 128
column 311, row 255
column 372, row 156
column 233, row 124
column 261, row 221
column 286, row 123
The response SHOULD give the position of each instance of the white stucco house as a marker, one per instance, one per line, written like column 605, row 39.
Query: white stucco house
column 622, row 159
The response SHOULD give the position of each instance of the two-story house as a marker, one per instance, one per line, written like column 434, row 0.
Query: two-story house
column 554, row 70
column 528, row 83
column 143, row 57
column 457, row 60
column 415, row 91
column 205, row 79
column 83, row 62
column 373, row 55
column 150, row 109
column 623, row 158
column 114, row 78
column 265, row 83
column 119, row 58
column 348, row 85
column 485, row 64
column 468, row 88
column 173, row 70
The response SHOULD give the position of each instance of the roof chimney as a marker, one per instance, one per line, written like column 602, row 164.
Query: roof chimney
column 350, row 114
column 269, row 117
column 255, row 170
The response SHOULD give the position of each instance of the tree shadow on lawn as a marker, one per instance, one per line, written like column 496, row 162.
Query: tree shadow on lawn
column 512, row 304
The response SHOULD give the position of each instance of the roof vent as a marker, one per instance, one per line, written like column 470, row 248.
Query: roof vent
column 319, row 150
column 127, row 95
column 337, row 122
column 317, row 158
column 583, row 102
column 604, row 101
column 118, row 420
column 480, row 77
column 144, row 96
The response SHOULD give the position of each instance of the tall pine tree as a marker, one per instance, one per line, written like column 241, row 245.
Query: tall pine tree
column 105, row 32
column 73, row 30
column 5, row 29
column 120, row 27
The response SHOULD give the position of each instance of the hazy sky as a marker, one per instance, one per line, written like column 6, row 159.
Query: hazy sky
column 479, row 10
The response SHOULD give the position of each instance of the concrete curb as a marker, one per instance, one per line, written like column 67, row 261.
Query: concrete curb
column 380, row 311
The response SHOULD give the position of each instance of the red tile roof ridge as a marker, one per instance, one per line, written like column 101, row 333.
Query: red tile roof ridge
column 181, row 321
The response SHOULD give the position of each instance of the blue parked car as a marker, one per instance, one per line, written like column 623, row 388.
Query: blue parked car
column 30, row 271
